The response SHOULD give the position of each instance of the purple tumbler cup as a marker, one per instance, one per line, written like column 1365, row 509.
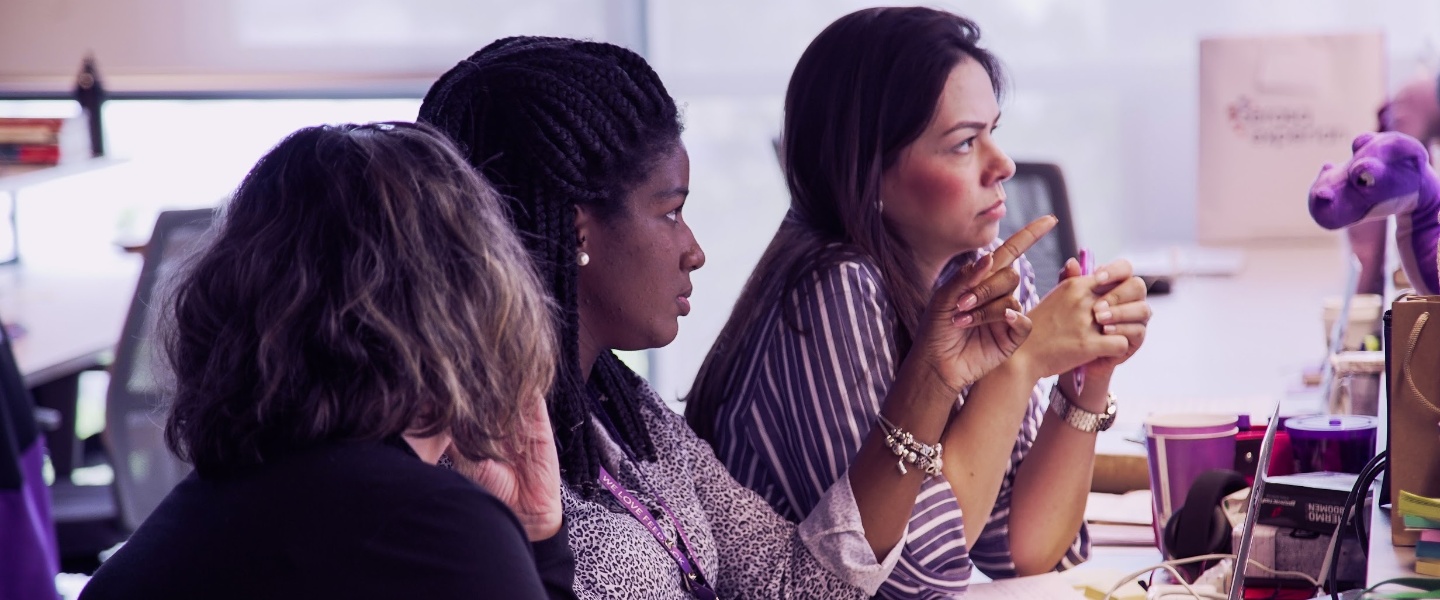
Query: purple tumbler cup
column 1336, row 443
column 1180, row 447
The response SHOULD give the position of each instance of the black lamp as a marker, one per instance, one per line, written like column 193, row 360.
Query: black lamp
column 91, row 94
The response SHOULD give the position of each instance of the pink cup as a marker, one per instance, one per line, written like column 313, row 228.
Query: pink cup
column 1180, row 447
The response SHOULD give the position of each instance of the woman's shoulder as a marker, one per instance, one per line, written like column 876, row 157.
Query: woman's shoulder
column 656, row 412
column 668, row 428
column 395, row 482
column 844, row 273
column 442, row 505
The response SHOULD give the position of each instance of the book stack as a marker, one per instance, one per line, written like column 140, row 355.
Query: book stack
column 1120, row 519
column 30, row 141
column 1307, row 501
column 1423, row 514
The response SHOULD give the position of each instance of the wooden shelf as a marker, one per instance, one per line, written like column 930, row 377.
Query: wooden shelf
column 17, row 177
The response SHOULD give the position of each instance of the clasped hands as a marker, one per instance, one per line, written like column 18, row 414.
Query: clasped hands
column 1097, row 321
column 973, row 322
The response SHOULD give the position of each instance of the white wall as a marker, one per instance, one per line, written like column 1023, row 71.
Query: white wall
column 145, row 45
column 1105, row 88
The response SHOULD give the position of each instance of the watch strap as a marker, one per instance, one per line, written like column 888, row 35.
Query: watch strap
column 1079, row 418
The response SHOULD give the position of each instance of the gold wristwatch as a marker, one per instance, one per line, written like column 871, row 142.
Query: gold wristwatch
column 1079, row 418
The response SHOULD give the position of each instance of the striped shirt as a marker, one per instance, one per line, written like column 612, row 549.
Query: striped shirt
column 808, row 400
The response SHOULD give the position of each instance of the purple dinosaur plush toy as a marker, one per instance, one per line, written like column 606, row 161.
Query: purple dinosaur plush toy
column 1389, row 174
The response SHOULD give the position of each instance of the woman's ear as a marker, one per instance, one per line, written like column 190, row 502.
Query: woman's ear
column 584, row 222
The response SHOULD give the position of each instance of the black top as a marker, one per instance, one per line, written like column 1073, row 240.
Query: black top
column 355, row 520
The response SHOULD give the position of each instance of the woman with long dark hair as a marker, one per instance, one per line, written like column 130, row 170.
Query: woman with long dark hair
column 584, row 142
column 362, row 307
column 895, row 183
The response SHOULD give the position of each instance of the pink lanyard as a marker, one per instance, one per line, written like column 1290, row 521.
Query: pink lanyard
column 691, row 577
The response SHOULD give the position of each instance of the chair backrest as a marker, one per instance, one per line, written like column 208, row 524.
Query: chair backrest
column 1038, row 189
column 145, row 469
column 29, row 556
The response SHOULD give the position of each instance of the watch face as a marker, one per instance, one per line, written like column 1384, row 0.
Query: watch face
column 1082, row 419
column 1108, row 418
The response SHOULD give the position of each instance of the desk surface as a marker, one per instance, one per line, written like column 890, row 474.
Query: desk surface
column 1234, row 343
column 72, row 315
column 1386, row 561
column 16, row 177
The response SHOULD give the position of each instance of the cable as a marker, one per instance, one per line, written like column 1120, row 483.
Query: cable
column 1272, row 571
column 1170, row 565
column 1368, row 474
column 1330, row 568
column 1423, row 583
column 1363, row 482
column 1348, row 511
column 1375, row 476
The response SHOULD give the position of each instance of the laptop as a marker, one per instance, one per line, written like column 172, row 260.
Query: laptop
column 1257, row 491
column 1252, row 511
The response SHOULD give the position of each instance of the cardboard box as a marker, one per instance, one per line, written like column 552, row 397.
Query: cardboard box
column 1308, row 501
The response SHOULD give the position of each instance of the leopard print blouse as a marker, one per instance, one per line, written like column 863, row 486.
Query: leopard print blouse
column 743, row 547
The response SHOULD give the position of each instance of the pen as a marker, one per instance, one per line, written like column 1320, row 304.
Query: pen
column 1087, row 265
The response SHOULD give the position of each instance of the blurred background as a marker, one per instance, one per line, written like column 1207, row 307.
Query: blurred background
column 1107, row 89
column 1127, row 98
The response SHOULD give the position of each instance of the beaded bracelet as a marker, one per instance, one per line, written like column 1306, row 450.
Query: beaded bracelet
column 902, row 443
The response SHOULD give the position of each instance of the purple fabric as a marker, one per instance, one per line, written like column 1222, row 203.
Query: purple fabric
column 29, row 559
column 1388, row 174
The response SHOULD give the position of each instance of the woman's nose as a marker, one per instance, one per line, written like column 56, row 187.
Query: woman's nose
column 1004, row 168
column 694, row 258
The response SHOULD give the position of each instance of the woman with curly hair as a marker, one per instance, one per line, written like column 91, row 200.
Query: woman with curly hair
column 362, row 307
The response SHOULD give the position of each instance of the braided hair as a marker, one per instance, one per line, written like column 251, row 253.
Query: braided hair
column 554, row 124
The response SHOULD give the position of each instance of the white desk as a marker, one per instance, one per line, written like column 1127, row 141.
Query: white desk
column 1239, row 343
column 16, row 177
column 1386, row 561
column 72, row 317
column 1234, row 343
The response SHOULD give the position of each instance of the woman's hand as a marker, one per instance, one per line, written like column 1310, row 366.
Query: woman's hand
column 1122, row 309
column 1066, row 331
column 528, row 479
column 1097, row 321
column 973, row 322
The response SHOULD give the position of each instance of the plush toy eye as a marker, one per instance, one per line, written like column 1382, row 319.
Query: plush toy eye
column 1364, row 180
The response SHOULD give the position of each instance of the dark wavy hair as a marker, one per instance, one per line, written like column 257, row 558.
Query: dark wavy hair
column 864, row 90
column 557, row 123
column 362, row 283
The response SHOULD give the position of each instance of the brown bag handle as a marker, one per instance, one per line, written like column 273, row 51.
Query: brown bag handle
column 1410, row 353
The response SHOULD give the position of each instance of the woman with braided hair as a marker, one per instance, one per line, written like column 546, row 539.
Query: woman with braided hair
column 584, row 142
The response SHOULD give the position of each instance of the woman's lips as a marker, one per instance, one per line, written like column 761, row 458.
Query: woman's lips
column 996, row 210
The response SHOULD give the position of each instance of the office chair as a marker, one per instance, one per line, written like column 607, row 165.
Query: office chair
column 28, row 550
column 145, row 469
column 1038, row 189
